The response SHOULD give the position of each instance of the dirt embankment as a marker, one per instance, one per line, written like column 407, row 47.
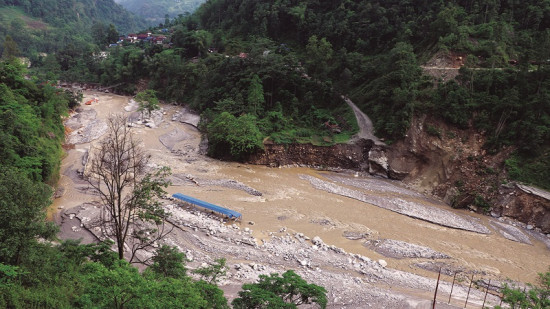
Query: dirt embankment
column 346, row 156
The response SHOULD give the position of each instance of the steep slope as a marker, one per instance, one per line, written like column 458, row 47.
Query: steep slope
column 48, row 25
column 155, row 11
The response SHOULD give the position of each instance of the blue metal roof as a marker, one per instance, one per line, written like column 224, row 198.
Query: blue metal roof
column 228, row 212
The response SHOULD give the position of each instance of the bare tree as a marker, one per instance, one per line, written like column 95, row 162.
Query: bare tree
column 131, row 212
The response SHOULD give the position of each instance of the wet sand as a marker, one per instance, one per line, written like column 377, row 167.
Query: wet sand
column 291, row 203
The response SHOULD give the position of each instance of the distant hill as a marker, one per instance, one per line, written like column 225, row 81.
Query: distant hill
column 48, row 25
column 154, row 11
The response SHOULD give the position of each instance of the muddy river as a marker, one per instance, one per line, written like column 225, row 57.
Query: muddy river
column 289, row 200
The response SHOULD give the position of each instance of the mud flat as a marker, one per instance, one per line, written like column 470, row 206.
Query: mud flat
column 400, row 249
column 226, row 183
column 405, row 207
column 374, row 185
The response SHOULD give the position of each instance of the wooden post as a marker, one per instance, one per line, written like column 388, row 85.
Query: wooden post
column 486, row 291
column 436, row 287
column 452, row 286
column 468, row 296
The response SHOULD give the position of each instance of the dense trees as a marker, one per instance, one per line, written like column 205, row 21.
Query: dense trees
column 30, row 122
column 275, row 291
column 46, row 26
column 22, row 214
column 237, row 136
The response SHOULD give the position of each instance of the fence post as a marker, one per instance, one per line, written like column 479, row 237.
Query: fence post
column 486, row 292
column 452, row 286
column 436, row 287
column 468, row 296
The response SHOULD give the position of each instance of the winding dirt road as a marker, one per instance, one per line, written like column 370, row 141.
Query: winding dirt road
column 366, row 128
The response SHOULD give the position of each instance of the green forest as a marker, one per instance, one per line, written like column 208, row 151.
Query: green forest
column 258, row 71
column 155, row 12
column 276, row 70
column 41, row 27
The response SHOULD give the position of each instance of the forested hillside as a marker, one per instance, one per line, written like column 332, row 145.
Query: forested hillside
column 258, row 71
column 156, row 11
column 45, row 26
column 278, row 69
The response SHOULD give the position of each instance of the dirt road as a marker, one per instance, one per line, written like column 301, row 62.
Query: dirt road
column 366, row 128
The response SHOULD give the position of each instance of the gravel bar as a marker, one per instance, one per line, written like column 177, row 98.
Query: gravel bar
column 401, row 206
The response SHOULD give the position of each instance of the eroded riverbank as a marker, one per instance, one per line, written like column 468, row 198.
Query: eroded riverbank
column 288, row 211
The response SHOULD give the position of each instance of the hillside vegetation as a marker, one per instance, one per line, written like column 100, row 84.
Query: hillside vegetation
column 46, row 26
column 279, row 67
column 156, row 11
column 258, row 71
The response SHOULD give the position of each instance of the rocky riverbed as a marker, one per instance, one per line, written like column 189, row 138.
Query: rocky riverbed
column 368, row 241
column 352, row 280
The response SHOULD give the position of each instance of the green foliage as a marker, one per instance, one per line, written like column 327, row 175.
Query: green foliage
column 237, row 136
column 104, row 35
column 212, row 272
column 256, row 98
column 275, row 291
column 479, row 201
column 391, row 98
column 48, row 25
column 212, row 294
column 433, row 131
column 534, row 297
column 22, row 214
column 156, row 11
column 10, row 48
column 169, row 262
column 122, row 69
column 529, row 169
column 319, row 53
column 147, row 101
column 122, row 286
column 30, row 123
column 88, row 276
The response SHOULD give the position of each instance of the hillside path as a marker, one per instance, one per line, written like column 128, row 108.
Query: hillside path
column 366, row 127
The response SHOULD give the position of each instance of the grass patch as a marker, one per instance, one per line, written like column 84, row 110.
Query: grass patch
column 433, row 131
column 531, row 170
column 320, row 136
column 9, row 13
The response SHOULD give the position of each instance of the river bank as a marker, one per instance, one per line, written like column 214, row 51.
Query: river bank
column 302, row 221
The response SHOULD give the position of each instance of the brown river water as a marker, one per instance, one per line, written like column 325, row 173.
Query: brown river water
column 290, row 202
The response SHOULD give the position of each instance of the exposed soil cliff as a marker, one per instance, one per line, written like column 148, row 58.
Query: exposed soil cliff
column 453, row 165
column 347, row 156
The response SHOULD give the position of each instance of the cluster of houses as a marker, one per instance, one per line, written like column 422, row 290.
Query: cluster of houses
column 141, row 37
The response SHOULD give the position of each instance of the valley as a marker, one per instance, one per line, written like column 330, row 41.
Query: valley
column 363, row 238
